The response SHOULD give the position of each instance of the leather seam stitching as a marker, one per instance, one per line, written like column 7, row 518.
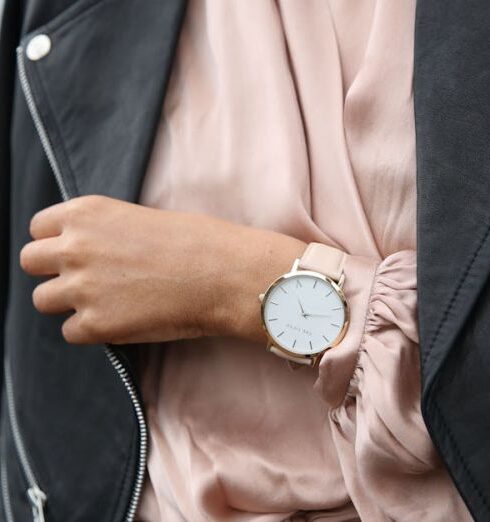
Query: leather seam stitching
column 456, row 294
column 76, row 17
column 452, row 439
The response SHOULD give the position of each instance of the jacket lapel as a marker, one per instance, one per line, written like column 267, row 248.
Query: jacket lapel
column 100, row 89
column 452, row 108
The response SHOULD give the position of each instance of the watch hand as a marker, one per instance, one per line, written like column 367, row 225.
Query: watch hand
column 301, row 306
column 317, row 315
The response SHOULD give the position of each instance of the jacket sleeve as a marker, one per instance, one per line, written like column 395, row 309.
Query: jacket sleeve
column 371, row 384
column 9, row 37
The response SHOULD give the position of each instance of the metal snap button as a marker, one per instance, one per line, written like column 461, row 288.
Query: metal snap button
column 38, row 47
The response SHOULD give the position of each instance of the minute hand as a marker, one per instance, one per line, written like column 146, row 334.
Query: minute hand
column 317, row 315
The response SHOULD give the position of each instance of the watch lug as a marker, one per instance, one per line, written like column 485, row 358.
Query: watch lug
column 261, row 297
column 269, row 346
column 316, row 359
column 294, row 268
column 341, row 280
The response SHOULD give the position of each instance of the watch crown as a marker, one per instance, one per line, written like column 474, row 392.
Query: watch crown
column 261, row 297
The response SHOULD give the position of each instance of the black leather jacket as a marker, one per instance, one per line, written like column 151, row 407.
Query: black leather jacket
column 81, row 120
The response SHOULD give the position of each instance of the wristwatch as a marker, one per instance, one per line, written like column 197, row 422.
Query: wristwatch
column 304, row 312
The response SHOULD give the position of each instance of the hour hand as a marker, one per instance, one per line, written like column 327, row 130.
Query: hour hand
column 301, row 306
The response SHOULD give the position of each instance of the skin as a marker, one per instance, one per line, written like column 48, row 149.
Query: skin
column 135, row 274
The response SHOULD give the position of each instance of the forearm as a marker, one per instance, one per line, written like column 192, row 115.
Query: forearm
column 134, row 274
column 250, row 259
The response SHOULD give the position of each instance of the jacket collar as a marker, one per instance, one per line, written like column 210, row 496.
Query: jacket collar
column 101, row 126
column 100, row 89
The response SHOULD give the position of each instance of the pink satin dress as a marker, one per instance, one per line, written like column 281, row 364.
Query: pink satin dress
column 296, row 116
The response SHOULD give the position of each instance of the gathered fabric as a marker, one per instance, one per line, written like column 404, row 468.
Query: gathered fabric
column 296, row 117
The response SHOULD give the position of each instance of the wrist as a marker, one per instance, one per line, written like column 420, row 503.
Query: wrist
column 251, row 259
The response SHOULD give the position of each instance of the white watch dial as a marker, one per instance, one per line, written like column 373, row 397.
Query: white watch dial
column 303, row 313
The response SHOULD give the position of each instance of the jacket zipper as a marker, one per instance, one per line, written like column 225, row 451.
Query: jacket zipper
column 110, row 353
column 35, row 494
column 7, row 507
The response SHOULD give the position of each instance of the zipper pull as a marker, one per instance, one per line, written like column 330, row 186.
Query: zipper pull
column 37, row 498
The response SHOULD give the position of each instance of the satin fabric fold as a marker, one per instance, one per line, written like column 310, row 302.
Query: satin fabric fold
column 296, row 117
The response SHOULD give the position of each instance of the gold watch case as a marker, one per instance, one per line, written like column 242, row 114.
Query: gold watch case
column 337, row 287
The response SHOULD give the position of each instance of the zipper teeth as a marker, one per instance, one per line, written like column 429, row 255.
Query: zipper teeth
column 48, row 149
column 111, row 355
column 5, row 492
column 19, row 443
column 140, row 475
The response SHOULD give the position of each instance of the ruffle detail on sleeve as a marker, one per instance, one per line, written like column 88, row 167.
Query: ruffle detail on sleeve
column 386, row 380
column 389, row 463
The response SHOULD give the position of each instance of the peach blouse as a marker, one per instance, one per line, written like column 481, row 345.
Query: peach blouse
column 296, row 116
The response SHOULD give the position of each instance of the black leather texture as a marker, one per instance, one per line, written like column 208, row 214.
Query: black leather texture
column 452, row 116
column 99, row 94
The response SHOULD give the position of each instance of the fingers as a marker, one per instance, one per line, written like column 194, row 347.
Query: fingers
column 76, row 330
column 52, row 297
column 48, row 222
column 71, row 330
column 40, row 257
column 51, row 220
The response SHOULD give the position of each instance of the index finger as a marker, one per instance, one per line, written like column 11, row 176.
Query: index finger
column 48, row 222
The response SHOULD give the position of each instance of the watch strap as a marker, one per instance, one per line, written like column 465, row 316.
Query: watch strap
column 303, row 361
column 324, row 259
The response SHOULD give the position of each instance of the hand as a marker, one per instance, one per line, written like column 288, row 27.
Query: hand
column 134, row 274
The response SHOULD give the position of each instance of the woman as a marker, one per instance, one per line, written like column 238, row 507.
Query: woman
column 281, row 128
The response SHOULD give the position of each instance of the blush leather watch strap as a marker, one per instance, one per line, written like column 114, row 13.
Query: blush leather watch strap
column 324, row 259
column 294, row 362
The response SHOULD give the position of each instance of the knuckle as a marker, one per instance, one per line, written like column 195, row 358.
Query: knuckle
column 78, row 286
column 89, row 202
column 66, row 251
column 74, row 249
column 91, row 328
column 73, row 210
column 93, row 199
column 70, row 250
